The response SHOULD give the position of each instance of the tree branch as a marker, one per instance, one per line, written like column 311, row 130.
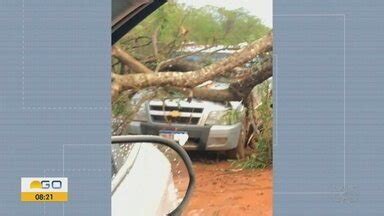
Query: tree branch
column 130, row 61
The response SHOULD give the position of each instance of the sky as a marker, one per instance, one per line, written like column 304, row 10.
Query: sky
column 260, row 8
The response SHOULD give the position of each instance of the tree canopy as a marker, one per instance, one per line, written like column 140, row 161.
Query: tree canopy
column 174, row 24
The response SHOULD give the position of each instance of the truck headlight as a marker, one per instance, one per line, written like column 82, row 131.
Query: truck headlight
column 223, row 117
column 217, row 118
column 141, row 115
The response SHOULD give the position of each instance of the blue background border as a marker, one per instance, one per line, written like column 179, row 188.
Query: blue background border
column 54, row 102
column 328, row 114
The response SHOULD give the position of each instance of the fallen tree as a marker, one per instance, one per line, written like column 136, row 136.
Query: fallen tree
column 186, row 82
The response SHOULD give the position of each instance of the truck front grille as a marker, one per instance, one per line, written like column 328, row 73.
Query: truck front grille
column 180, row 109
column 186, row 115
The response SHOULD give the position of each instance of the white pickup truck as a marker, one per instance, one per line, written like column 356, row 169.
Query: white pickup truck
column 204, row 122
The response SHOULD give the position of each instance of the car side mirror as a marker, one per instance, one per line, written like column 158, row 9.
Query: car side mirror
column 151, row 175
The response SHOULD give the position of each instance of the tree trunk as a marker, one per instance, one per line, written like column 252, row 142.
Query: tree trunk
column 237, row 91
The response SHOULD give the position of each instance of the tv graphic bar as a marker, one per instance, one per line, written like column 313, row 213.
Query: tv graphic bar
column 40, row 189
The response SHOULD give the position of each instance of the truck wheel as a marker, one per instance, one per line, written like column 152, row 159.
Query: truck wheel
column 239, row 151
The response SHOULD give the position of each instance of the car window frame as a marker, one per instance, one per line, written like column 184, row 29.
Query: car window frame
column 123, row 23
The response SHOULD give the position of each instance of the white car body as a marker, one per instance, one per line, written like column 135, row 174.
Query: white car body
column 144, row 184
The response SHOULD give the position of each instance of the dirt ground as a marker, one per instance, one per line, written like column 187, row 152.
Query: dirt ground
column 222, row 190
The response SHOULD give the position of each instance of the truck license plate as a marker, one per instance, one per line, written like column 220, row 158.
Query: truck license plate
column 179, row 136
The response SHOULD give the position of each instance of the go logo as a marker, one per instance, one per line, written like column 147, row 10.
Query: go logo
column 46, row 184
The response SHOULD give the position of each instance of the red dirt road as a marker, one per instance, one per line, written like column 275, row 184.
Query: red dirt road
column 221, row 190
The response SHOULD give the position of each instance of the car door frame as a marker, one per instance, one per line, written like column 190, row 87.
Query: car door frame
column 125, row 23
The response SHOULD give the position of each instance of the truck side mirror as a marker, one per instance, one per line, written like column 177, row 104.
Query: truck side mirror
column 151, row 175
